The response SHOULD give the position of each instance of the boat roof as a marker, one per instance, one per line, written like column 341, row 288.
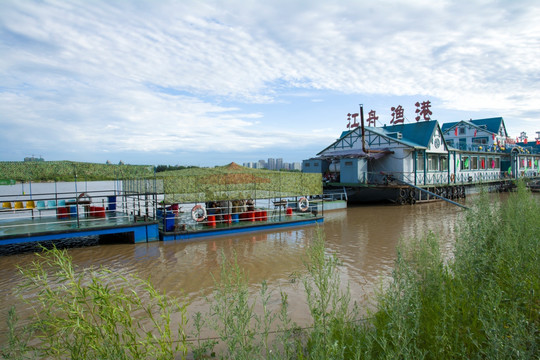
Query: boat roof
column 490, row 124
column 416, row 135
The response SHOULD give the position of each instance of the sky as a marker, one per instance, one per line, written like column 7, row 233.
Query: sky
column 210, row 82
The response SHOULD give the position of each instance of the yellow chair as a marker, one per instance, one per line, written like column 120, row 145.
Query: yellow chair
column 19, row 205
column 6, row 205
column 30, row 204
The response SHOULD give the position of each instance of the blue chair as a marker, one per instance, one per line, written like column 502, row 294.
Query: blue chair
column 61, row 203
column 51, row 204
column 40, row 206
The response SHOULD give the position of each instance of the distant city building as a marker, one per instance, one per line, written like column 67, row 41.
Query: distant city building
column 251, row 165
column 273, row 164
column 33, row 158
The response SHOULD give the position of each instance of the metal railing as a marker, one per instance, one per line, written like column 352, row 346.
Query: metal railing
column 57, row 211
column 186, row 217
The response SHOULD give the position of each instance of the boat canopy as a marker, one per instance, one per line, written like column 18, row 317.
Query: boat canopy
column 371, row 154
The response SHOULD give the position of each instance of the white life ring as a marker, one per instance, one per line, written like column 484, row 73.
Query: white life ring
column 303, row 204
column 84, row 195
column 198, row 213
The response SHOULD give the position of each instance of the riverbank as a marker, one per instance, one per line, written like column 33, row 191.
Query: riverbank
column 471, row 306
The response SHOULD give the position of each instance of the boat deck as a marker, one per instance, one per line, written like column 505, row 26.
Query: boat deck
column 23, row 228
column 206, row 229
column 19, row 228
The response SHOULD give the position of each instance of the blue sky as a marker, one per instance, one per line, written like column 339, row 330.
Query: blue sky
column 210, row 82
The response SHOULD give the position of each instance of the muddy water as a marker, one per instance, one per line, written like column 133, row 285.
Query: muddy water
column 364, row 238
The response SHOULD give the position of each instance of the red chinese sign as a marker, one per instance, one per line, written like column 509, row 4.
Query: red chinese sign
column 355, row 123
column 372, row 119
column 423, row 110
column 397, row 115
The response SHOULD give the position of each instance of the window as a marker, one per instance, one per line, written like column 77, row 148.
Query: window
column 462, row 130
column 307, row 164
column 348, row 163
column 465, row 163
column 474, row 163
column 482, row 163
column 444, row 163
column 480, row 140
column 420, row 162
column 450, row 143
column 433, row 163
column 493, row 163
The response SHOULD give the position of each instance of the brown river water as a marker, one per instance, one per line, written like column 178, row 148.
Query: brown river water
column 364, row 238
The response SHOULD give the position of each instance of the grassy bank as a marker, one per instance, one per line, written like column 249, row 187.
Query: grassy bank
column 483, row 303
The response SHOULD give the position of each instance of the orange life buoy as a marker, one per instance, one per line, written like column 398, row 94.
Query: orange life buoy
column 303, row 204
column 198, row 213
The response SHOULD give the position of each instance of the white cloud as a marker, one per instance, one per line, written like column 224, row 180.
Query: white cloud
column 186, row 76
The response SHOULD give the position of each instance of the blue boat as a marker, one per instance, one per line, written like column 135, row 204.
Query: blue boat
column 169, row 206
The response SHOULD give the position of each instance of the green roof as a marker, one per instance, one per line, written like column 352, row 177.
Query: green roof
column 415, row 134
column 490, row 124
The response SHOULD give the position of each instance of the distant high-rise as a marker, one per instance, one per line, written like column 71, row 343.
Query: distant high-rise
column 296, row 166
column 273, row 164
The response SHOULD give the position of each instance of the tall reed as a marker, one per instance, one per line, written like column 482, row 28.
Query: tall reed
column 97, row 314
column 329, row 305
column 483, row 304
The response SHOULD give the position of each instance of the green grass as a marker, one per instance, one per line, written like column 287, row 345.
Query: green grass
column 37, row 171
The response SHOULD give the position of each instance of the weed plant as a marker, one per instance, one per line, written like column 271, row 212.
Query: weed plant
column 482, row 305
column 329, row 305
column 95, row 314
column 245, row 333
